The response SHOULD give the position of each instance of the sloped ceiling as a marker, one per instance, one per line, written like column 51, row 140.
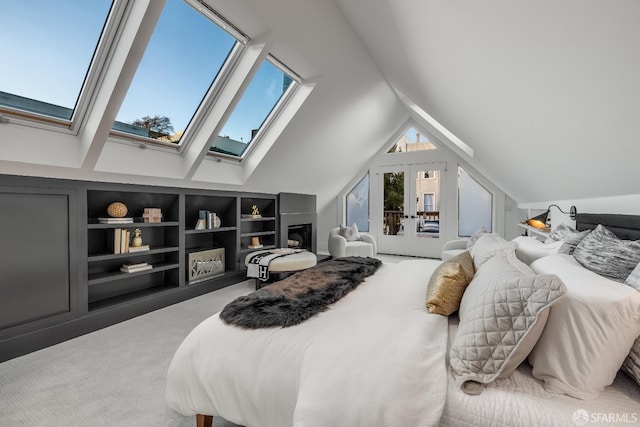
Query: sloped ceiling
column 546, row 93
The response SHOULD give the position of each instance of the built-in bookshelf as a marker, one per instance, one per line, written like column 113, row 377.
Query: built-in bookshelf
column 258, row 225
column 79, row 283
column 107, row 283
column 218, row 234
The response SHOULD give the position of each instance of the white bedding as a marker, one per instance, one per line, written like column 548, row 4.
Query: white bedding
column 521, row 401
column 376, row 357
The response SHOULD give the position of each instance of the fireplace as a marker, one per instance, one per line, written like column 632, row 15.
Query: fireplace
column 298, row 221
column 299, row 236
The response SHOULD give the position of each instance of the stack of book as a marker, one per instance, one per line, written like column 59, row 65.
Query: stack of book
column 115, row 220
column 134, row 268
column 139, row 248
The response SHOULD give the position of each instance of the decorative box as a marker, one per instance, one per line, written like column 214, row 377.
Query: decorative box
column 204, row 265
column 152, row 215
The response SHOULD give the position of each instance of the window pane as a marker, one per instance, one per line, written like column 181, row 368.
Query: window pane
column 428, row 204
column 475, row 205
column 183, row 58
column 412, row 141
column 47, row 47
column 262, row 95
column 393, row 205
column 357, row 205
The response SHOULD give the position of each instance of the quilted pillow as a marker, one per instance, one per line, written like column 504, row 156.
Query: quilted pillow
column 589, row 332
column 501, row 322
column 607, row 255
column 447, row 284
column 488, row 245
column 350, row 233
column 564, row 233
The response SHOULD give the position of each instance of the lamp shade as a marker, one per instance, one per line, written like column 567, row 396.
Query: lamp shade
column 539, row 221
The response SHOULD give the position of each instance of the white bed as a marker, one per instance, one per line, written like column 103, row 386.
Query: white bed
column 375, row 358
column 521, row 401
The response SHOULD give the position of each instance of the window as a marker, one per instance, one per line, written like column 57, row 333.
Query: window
column 183, row 58
column 357, row 204
column 412, row 140
column 475, row 205
column 258, row 102
column 47, row 48
column 429, row 200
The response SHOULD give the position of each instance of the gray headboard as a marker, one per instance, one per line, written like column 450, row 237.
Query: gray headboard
column 624, row 226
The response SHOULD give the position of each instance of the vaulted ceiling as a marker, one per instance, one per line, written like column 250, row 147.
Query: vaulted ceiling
column 545, row 93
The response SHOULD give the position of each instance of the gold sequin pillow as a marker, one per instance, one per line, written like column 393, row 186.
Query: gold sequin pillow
column 447, row 284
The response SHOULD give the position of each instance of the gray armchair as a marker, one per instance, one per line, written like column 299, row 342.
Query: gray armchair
column 339, row 246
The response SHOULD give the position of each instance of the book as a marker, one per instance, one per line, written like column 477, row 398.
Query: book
column 135, row 269
column 123, row 242
column 251, row 216
column 115, row 220
column 140, row 264
column 139, row 248
column 117, row 238
column 127, row 239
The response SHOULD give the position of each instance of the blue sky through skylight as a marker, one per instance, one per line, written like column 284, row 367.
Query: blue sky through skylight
column 47, row 45
column 182, row 59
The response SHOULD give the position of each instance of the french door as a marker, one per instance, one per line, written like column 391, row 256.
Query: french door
column 407, row 209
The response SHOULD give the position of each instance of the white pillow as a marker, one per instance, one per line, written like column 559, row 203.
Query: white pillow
column 530, row 249
column 502, row 315
column 589, row 332
column 488, row 245
column 350, row 233
column 633, row 279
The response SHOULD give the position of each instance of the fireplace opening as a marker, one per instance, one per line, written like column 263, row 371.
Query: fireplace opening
column 299, row 236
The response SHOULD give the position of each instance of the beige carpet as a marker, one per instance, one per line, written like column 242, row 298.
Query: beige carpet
column 111, row 377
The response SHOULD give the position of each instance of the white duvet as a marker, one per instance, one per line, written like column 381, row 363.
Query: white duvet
column 375, row 358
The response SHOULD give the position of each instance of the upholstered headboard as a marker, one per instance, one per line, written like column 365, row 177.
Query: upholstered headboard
column 624, row 226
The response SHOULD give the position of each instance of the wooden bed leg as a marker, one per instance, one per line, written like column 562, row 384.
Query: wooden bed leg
column 204, row 420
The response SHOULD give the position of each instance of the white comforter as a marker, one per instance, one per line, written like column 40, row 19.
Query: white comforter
column 375, row 358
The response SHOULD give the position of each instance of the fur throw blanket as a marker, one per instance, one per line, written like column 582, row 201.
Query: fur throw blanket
column 300, row 296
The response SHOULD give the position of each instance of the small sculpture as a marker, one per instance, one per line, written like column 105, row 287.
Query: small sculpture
column 117, row 210
column 137, row 238
column 254, row 210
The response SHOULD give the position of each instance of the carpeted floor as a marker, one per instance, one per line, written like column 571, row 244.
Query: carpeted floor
column 111, row 377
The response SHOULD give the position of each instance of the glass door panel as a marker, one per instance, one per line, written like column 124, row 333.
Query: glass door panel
column 408, row 201
column 393, row 203
column 427, row 199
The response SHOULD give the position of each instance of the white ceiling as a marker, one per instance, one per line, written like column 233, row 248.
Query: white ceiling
column 545, row 93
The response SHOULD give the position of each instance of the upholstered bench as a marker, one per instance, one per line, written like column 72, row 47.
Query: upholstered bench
column 285, row 265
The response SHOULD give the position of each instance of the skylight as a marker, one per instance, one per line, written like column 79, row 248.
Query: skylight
column 251, row 113
column 47, row 47
column 183, row 58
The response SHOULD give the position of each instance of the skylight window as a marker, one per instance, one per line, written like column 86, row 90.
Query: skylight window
column 47, row 47
column 252, row 112
column 185, row 54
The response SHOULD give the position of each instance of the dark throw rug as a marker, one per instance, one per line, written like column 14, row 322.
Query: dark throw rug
column 300, row 296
